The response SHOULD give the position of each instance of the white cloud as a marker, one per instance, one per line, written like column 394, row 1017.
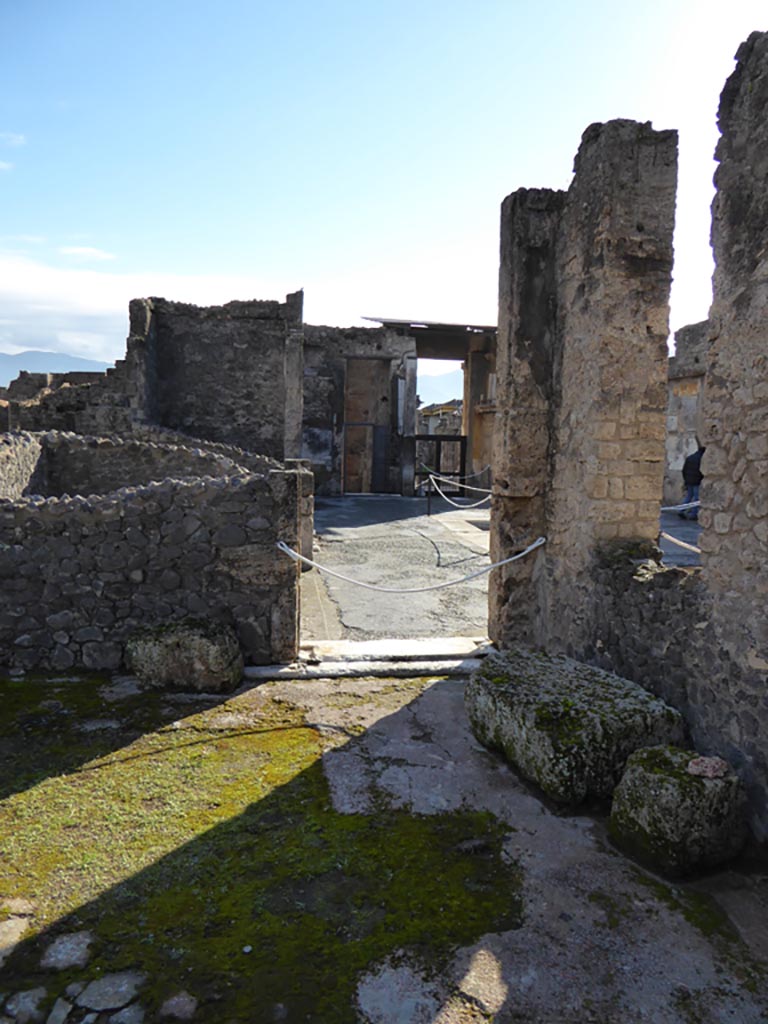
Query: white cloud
column 12, row 139
column 85, row 311
column 5, row 166
column 85, row 252
column 23, row 239
column 438, row 367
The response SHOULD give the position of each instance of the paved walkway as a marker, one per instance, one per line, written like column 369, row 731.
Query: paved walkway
column 390, row 541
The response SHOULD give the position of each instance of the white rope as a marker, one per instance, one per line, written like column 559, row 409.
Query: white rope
column 679, row 508
column 680, row 543
column 458, row 483
column 475, row 504
column 282, row 546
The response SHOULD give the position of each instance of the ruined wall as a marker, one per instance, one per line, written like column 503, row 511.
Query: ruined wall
column 734, row 515
column 582, row 376
column 109, row 403
column 79, row 575
column 525, row 351
column 697, row 637
column 326, row 352
column 73, row 464
column 19, row 464
column 221, row 373
column 686, row 382
column 228, row 373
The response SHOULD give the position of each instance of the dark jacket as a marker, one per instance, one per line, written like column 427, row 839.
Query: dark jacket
column 692, row 474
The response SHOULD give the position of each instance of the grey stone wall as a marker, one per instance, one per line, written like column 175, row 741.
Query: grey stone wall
column 229, row 374
column 73, row 464
column 582, row 376
column 684, row 424
column 79, row 575
column 656, row 626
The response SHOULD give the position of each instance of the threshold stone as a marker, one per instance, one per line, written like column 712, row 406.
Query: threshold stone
column 566, row 726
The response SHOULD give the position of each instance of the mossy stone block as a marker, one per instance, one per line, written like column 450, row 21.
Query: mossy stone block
column 674, row 818
column 191, row 655
column 566, row 726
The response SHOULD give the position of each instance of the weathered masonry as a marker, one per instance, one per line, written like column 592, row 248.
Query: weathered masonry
column 252, row 374
column 582, row 377
column 580, row 449
column 99, row 536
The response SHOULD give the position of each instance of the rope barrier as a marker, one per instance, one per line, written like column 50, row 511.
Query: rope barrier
column 458, row 483
column 455, row 504
column 680, row 543
column 282, row 546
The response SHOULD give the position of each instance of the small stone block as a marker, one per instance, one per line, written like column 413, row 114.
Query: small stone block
column 678, row 812
column 566, row 726
column 191, row 655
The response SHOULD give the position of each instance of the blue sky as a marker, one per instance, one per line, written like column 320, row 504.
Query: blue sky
column 210, row 151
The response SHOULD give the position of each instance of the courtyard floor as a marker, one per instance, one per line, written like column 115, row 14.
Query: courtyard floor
column 331, row 850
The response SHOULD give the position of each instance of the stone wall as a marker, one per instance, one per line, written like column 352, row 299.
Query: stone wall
column 734, row 515
column 697, row 637
column 684, row 426
column 582, row 376
column 19, row 464
column 327, row 351
column 228, row 374
column 73, row 464
column 79, row 575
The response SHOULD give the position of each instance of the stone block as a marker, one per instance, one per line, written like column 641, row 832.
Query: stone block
column 566, row 726
column 678, row 812
column 187, row 655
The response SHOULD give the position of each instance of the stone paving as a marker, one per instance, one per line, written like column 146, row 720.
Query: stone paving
column 600, row 940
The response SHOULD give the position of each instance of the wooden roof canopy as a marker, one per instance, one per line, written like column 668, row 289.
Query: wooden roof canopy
column 442, row 341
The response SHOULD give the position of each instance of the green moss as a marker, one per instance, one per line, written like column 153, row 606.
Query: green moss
column 563, row 722
column 615, row 908
column 206, row 852
column 699, row 909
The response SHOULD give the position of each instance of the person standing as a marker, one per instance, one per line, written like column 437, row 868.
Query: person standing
column 692, row 477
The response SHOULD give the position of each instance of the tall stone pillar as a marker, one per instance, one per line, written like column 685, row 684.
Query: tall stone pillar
column 610, row 374
column 530, row 220
column 582, row 379
column 734, row 514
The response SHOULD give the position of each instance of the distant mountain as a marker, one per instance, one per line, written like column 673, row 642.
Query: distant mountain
column 44, row 362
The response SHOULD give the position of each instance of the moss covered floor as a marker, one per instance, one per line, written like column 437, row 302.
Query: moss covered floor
column 335, row 850
column 197, row 842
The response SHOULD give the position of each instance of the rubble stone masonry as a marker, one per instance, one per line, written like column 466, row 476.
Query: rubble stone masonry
column 188, row 533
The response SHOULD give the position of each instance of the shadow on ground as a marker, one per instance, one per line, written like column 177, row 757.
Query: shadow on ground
column 216, row 863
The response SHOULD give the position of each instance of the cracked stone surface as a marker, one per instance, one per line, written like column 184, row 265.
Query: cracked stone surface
column 595, row 934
